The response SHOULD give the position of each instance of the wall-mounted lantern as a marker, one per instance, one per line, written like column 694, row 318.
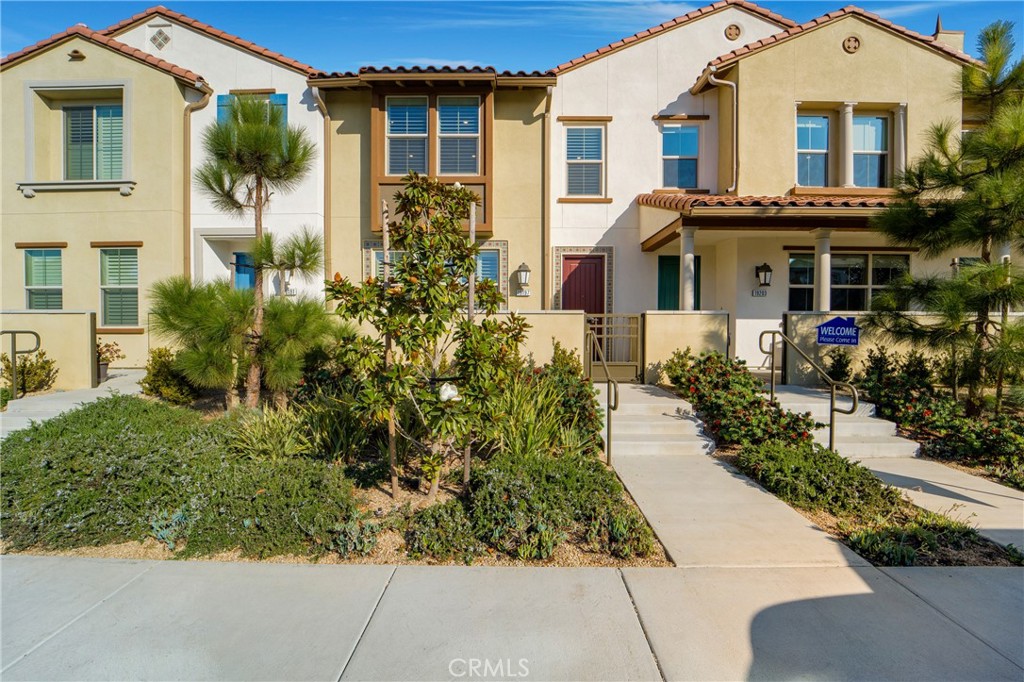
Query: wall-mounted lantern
column 523, row 280
column 764, row 275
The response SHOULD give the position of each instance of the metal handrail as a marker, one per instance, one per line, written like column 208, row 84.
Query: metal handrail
column 832, row 383
column 15, row 353
column 612, row 391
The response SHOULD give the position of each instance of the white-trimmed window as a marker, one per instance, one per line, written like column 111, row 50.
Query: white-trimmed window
column 94, row 142
column 43, row 279
column 458, row 135
column 488, row 263
column 870, row 151
column 406, row 135
column 812, row 137
column 855, row 278
column 119, row 287
column 584, row 155
column 680, row 152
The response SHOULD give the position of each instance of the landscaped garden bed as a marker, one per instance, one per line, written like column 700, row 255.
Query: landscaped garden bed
column 774, row 447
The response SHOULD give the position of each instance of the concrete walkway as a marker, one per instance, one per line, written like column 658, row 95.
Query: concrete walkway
column 996, row 510
column 22, row 412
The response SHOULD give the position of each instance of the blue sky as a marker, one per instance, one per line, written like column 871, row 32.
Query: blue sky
column 339, row 36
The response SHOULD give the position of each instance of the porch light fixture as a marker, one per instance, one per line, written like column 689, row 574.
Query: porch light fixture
column 523, row 280
column 764, row 275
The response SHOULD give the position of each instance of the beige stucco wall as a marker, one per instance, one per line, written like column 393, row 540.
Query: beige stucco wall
column 814, row 70
column 668, row 331
column 565, row 326
column 152, row 214
column 67, row 336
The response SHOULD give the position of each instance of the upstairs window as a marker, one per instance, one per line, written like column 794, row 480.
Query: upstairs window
column 488, row 265
column 119, row 287
column 812, row 137
column 93, row 142
column 870, row 151
column 278, row 101
column 406, row 135
column 43, row 279
column 680, row 150
column 459, row 135
column 585, row 161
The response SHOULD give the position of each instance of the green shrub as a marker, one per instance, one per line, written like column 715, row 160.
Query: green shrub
column 270, row 434
column 913, row 542
column 36, row 372
column 809, row 476
column 838, row 364
column 730, row 402
column 5, row 397
column 577, row 398
column 442, row 531
column 163, row 381
column 893, row 381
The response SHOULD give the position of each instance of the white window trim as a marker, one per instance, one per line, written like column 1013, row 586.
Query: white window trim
column 92, row 104
column 458, row 136
column 700, row 145
column 103, row 287
column 888, row 143
column 372, row 247
column 603, row 162
column 28, row 288
column 827, row 153
column 34, row 89
column 388, row 136
column 870, row 285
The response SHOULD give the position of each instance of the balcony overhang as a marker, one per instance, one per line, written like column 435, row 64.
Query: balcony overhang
column 663, row 215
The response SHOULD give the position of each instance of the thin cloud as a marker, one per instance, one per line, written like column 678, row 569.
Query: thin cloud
column 906, row 10
column 588, row 17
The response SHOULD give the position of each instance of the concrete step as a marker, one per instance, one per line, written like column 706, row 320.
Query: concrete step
column 873, row 447
column 676, row 446
column 816, row 401
column 663, row 408
column 640, row 424
column 856, row 427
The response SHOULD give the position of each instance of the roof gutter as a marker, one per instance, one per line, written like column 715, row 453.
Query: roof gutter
column 321, row 106
column 186, row 195
column 735, row 125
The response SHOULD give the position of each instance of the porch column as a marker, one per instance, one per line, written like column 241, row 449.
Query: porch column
column 822, row 269
column 899, row 140
column 687, row 268
column 846, row 144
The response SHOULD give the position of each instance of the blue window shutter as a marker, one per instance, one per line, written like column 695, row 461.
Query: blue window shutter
column 223, row 107
column 280, row 101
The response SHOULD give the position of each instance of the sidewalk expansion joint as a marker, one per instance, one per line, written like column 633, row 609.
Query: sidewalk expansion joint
column 366, row 625
column 643, row 628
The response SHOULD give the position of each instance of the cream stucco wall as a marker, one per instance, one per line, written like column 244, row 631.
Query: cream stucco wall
column 648, row 78
column 67, row 337
column 227, row 67
column 668, row 331
column 565, row 326
column 154, row 104
column 813, row 69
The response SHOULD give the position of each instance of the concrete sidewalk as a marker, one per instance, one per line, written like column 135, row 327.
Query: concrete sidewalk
column 99, row 619
column 22, row 412
column 996, row 510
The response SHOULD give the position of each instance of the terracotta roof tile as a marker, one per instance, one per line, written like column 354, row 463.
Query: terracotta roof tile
column 850, row 10
column 673, row 23
column 684, row 202
column 160, row 10
column 428, row 70
column 98, row 37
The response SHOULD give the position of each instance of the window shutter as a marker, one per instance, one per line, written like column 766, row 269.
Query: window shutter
column 223, row 108
column 120, row 307
column 407, row 116
column 585, row 179
column 280, row 102
column 109, row 142
column 407, row 154
column 42, row 268
column 584, row 144
column 78, row 143
column 487, row 264
column 45, row 299
column 459, row 156
column 459, row 115
column 119, row 267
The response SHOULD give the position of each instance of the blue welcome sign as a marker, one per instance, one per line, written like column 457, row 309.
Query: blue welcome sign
column 839, row 331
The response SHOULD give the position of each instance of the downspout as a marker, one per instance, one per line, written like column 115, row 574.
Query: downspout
column 322, row 108
column 545, row 241
column 186, row 200
column 735, row 126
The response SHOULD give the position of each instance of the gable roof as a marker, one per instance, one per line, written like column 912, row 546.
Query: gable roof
column 217, row 34
column 671, row 24
column 730, row 58
column 182, row 74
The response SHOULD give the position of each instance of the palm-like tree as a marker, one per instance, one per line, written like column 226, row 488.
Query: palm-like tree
column 251, row 155
column 294, row 329
column 1000, row 80
column 301, row 254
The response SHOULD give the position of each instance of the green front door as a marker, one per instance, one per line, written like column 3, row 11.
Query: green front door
column 668, row 283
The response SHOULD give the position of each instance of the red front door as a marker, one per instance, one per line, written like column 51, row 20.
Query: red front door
column 583, row 284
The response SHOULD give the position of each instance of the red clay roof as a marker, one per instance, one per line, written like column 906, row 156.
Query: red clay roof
column 850, row 10
column 673, row 23
column 160, row 10
column 684, row 202
column 429, row 70
column 190, row 77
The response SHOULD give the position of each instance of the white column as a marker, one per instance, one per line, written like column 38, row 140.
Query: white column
column 846, row 145
column 822, row 269
column 687, row 268
column 899, row 140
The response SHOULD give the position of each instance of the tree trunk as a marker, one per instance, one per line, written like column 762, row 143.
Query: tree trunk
column 281, row 399
column 231, row 399
column 282, row 290
column 252, row 382
column 392, row 449
column 435, row 476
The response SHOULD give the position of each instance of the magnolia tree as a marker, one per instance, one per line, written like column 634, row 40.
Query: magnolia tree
column 446, row 365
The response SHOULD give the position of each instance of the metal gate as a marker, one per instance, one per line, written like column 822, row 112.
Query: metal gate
column 620, row 338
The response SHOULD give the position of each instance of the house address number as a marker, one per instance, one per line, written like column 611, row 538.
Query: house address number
column 759, row 293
